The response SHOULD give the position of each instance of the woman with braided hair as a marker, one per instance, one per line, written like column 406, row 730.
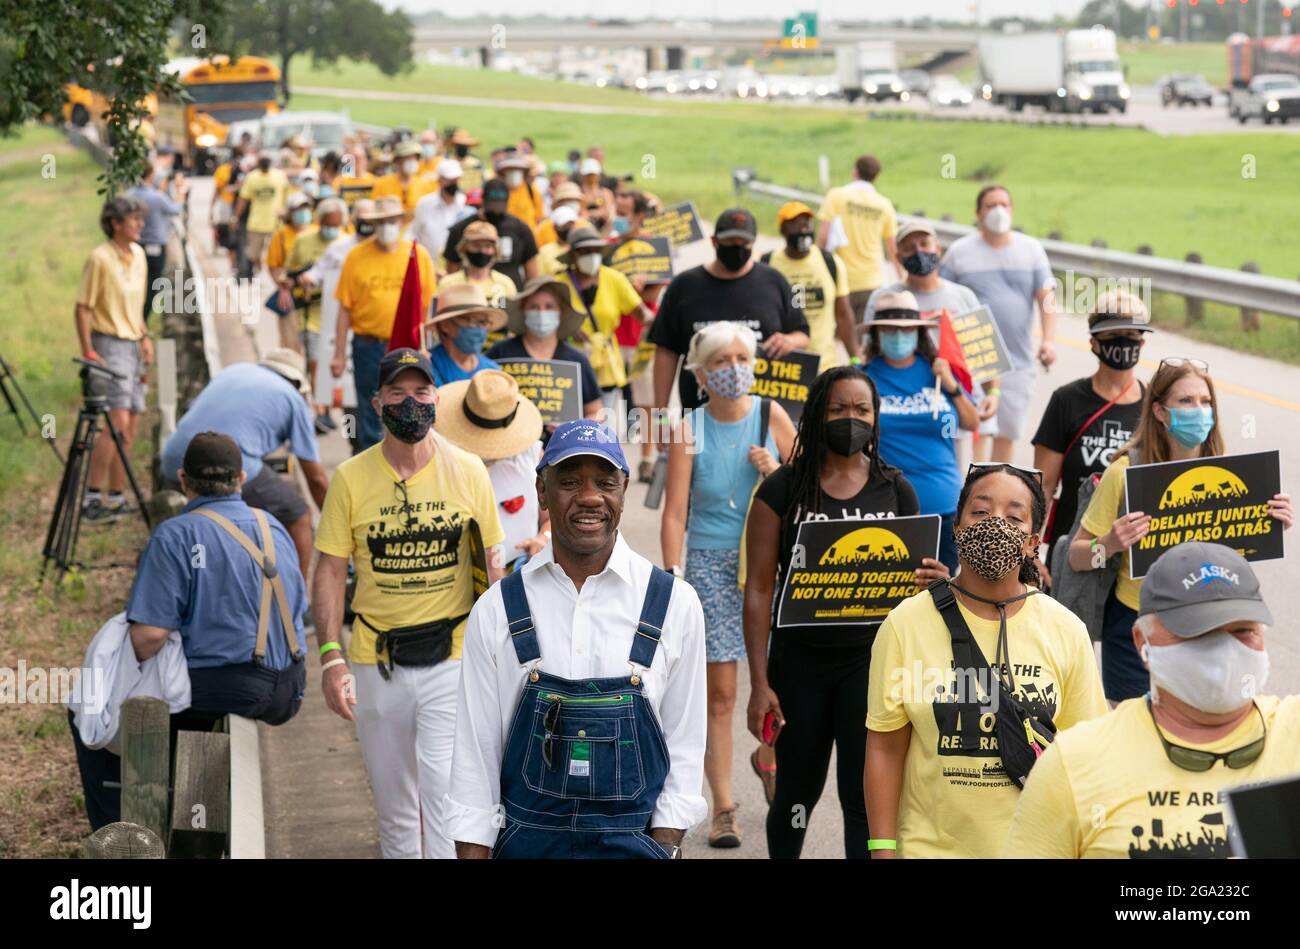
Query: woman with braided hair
column 812, row 680
column 935, row 781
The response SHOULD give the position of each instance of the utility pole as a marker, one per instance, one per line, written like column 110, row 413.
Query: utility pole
column 1259, row 19
column 1182, row 21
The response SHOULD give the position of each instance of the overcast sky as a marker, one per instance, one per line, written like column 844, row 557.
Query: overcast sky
column 749, row 9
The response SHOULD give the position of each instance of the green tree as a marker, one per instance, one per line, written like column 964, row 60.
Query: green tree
column 47, row 44
column 327, row 30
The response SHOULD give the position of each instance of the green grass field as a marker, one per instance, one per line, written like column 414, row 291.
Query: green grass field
column 1147, row 62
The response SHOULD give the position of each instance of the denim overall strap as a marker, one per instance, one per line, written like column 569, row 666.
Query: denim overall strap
column 523, row 635
column 650, row 627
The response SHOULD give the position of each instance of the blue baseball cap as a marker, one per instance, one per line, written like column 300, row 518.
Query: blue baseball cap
column 583, row 437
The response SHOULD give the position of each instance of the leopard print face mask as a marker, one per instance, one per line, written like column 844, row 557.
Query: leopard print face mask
column 991, row 546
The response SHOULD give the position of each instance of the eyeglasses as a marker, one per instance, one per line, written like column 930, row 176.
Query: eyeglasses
column 1196, row 759
column 993, row 465
column 551, row 722
column 1175, row 361
column 399, row 488
column 477, row 320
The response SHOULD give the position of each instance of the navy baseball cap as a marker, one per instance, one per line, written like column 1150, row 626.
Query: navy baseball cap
column 399, row 360
column 583, row 437
column 1197, row 587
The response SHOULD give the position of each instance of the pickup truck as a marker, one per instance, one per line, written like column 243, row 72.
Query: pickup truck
column 1269, row 97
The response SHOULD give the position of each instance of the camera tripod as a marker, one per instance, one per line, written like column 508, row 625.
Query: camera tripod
column 65, row 524
column 9, row 388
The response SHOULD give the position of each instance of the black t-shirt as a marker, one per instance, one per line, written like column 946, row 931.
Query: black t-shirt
column 887, row 495
column 762, row 300
column 513, row 348
column 516, row 245
column 1069, row 407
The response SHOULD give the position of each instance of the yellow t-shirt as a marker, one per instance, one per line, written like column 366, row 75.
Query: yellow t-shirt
column 413, row 574
column 615, row 296
column 353, row 188
column 496, row 287
column 544, row 233
column 114, row 289
column 390, row 186
column 812, row 283
column 277, row 251
column 306, row 250
column 548, row 258
column 1107, row 504
column 265, row 192
column 220, row 181
column 868, row 218
column 370, row 284
column 1107, row 789
column 525, row 203
column 429, row 167
column 472, row 173
column 954, row 803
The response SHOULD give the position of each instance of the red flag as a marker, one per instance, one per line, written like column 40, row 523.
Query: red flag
column 408, row 324
column 951, row 350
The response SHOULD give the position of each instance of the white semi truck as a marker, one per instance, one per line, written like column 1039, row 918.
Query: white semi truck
column 1075, row 71
column 869, row 69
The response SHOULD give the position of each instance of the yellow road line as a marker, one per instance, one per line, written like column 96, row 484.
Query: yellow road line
column 1219, row 383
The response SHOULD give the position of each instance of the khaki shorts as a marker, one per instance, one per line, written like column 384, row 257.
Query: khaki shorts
column 124, row 357
column 255, row 245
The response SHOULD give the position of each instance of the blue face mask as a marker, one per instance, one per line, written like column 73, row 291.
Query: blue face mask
column 1190, row 427
column 470, row 339
column 301, row 217
column 621, row 225
column 898, row 345
column 329, row 233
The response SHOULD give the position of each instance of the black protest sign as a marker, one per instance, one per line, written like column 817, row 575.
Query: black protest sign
column 1220, row 500
column 648, row 257
column 786, row 380
column 853, row 572
column 680, row 223
column 982, row 344
column 477, row 559
column 553, row 385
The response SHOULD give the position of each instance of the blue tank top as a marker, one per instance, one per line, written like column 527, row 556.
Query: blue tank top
column 722, row 479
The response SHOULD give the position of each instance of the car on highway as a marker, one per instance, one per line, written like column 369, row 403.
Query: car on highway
column 1270, row 97
column 324, row 130
column 949, row 91
column 1185, row 89
column 916, row 81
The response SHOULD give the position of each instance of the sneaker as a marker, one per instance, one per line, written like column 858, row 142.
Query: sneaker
column 321, row 427
column 122, row 506
column 327, row 420
column 766, row 775
column 723, row 834
column 97, row 512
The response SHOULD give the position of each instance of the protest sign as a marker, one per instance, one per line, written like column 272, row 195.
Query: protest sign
column 853, row 572
column 553, row 385
column 982, row 344
column 1221, row 500
column 680, row 223
column 648, row 257
column 786, row 380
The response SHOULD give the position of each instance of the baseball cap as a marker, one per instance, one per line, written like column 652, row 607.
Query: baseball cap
column 1197, row 587
column 213, row 456
column 583, row 437
column 496, row 189
column 791, row 210
column 1119, row 310
column 449, row 168
column 589, row 166
column 914, row 226
column 398, row 360
column 735, row 222
column 564, row 215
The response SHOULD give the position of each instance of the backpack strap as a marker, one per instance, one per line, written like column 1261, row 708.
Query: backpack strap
column 766, row 258
column 764, row 419
column 968, row 661
column 829, row 257
column 272, row 582
column 519, row 617
column 650, row 627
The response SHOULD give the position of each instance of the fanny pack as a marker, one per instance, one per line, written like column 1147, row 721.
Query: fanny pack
column 425, row 644
column 1022, row 735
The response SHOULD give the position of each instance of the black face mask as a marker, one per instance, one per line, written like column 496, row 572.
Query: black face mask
column 921, row 263
column 477, row 258
column 1119, row 354
column 450, row 189
column 847, row 436
column 409, row 420
column 799, row 243
column 733, row 256
column 365, row 228
column 462, row 151
column 493, row 217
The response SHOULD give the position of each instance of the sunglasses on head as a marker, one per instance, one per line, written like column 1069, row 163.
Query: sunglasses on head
column 1175, row 361
column 1196, row 759
column 993, row 465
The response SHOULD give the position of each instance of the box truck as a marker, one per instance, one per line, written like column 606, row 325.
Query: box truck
column 869, row 69
column 1074, row 71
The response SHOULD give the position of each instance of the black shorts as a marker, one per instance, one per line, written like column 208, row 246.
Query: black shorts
column 275, row 495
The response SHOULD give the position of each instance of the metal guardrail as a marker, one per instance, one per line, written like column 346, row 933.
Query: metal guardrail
column 1233, row 288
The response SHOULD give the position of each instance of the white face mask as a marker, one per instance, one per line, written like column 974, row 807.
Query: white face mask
column 388, row 233
column 542, row 322
column 1215, row 673
column 411, row 166
column 589, row 264
column 998, row 219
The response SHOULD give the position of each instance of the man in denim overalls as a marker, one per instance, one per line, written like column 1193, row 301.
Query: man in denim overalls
column 581, row 717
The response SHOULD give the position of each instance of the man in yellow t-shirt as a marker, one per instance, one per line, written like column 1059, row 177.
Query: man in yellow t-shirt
column 429, row 157
column 1149, row 779
column 263, row 194
column 869, row 224
column 404, row 511
column 820, row 282
column 370, row 285
column 405, row 181
column 955, row 802
column 525, row 200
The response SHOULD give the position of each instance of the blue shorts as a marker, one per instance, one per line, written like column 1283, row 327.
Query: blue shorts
column 1123, row 674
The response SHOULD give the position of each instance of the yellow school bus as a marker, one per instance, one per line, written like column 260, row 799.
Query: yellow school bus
column 221, row 91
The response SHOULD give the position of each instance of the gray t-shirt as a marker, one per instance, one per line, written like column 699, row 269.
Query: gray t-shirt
column 950, row 296
column 1005, row 280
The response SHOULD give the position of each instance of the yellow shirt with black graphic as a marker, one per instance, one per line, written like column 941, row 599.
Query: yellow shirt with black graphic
column 869, row 219
column 1106, row 505
column 370, row 285
column 1107, row 789
column 955, row 802
column 815, row 291
column 413, row 566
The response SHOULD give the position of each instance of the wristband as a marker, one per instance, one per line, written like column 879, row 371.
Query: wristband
column 327, row 647
column 855, row 361
column 994, row 391
column 336, row 661
column 882, row 845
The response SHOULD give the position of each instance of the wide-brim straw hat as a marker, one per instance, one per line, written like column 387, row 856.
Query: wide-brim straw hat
column 487, row 415
column 461, row 137
column 458, row 299
column 570, row 319
column 382, row 209
column 582, row 240
column 897, row 308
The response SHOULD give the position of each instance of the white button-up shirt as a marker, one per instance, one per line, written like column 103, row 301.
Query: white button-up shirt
column 433, row 221
column 582, row 634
